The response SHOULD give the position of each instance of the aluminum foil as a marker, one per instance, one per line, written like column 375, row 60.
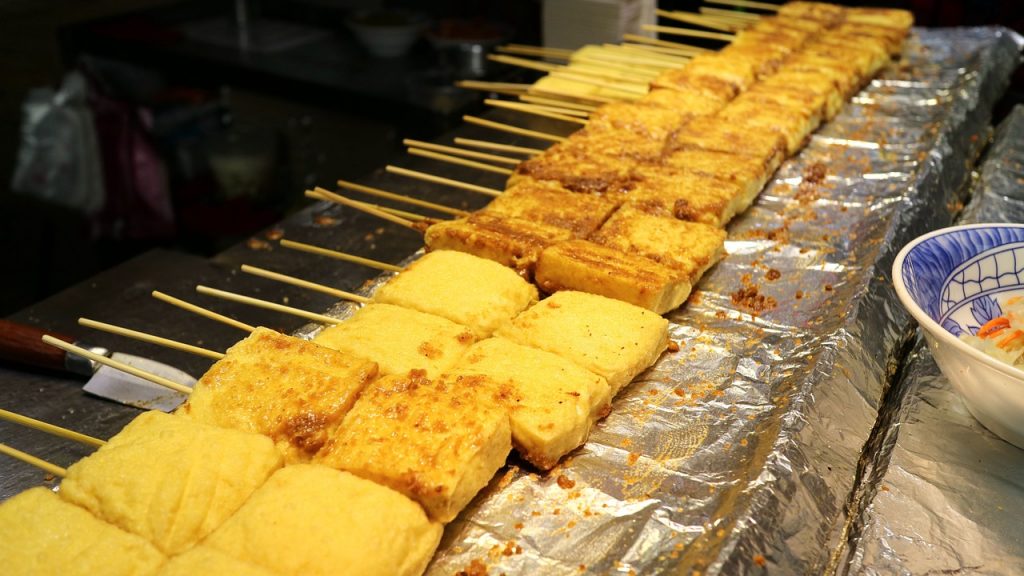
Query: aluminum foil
column 741, row 451
column 945, row 495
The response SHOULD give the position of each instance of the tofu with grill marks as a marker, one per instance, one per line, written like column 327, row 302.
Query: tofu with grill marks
column 549, row 203
column 688, row 196
column 511, row 242
column 712, row 134
column 692, row 83
column 795, row 126
column 748, row 172
column 645, row 120
column 792, row 80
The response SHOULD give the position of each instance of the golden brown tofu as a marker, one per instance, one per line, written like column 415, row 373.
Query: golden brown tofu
column 43, row 534
column 314, row 521
column 710, row 134
column 803, row 29
column 794, row 126
column 751, row 173
column 892, row 18
column 511, row 242
column 803, row 101
column 892, row 39
column 689, row 196
column 692, row 102
column 842, row 74
column 611, row 338
column 549, row 203
column 736, row 73
column 830, row 15
column 206, row 561
column 285, row 388
column 691, row 82
column 650, row 122
column 399, row 339
column 866, row 55
column 439, row 441
column 553, row 403
column 689, row 248
column 805, row 82
column 170, row 480
column 778, row 40
column 765, row 62
column 474, row 292
column 589, row 267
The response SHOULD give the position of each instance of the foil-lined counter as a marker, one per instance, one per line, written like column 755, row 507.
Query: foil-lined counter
column 945, row 495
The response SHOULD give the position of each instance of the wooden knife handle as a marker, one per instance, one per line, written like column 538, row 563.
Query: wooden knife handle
column 23, row 344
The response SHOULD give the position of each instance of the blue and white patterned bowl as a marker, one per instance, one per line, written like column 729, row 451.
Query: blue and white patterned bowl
column 952, row 281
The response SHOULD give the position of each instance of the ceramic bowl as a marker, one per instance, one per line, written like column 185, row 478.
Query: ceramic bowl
column 953, row 281
column 387, row 33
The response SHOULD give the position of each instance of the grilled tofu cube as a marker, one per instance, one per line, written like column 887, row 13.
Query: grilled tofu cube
column 803, row 101
column 789, row 80
column 170, row 480
column 691, row 102
column 892, row 18
column 512, row 242
column 439, row 441
column 891, row 39
column 612, row 339
column 313, row 520
column 46, row 535
column 692, row 82
column 764, row 60
column 830, row 15
column 206, row 561
column 844, row 75
column 794, row 126
column 736, row 73
column 589, row 267
column 800, row 30
column 549, row 203
column 647, row 121
column 710, row 134
column 285, row 388
column 465, row 289
column 748, row 172
column 399, row 339
column 689, row 248
column 672, row 193
column 553, row 403
column 867, row 55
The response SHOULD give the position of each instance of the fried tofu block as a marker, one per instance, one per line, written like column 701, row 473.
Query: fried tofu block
column 791, row 80
column 764, row 61
column 799, row 28
column 651, row 122
column 612, row 339
column 589, row 267
column 690, row 196
column 438, row 441
column 712, row 135
column 830, row 15
column 892, row 18
column 865, row 54
column 803, row 101
column 285, row 388
column 692, row 102
column 892, row 39
column 750, row 173
column 779, row 40
column 794, row 126
column 689, row 248
column 512, row 242
column 474, row 292
column 553, row 403
column 43, row 534
column 842, row 74
column 170, row 480
column 736, row 73
column 206, row 561
column 548, row 202
column 313, row 520
column 399, row 339
column 690, row 82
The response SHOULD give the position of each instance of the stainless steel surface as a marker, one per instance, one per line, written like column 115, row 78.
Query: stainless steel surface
column 740, row 451
column 81, row 365
column 945, row 495
column 113, row 384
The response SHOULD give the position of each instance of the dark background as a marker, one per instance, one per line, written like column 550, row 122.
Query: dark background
column 310, row 128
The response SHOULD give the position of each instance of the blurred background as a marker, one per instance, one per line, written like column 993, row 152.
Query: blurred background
column 132, row 124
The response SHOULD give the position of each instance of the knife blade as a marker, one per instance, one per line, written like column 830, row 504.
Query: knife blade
column 22, row 344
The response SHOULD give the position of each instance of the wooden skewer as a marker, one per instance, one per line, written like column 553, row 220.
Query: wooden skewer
column 30, row 459
column 484, row 144
column 401, row 197
column 734, row 15
column 698, row 19
column 311, row 249
column 576, row 113
column 562, row 104
column 454, row 151
column 150, row 338
column 320, row 193
column 618, row 58
column 559, row 93
column 50, row 428
column 159, row 380
column 256, row 302
column 746, row 4
column 650, row 48
column 304, row 284
column 665, row 43
column 688, row 32
column 202, row 311
column 524, row 63
column 445, row 181
column 536, row 50
column 641, row 71
column 513, row 129
column 407, row 215
column 667, row 60
column 531, row 109
column 459, row 161
column 628, row 91
column 507, row 88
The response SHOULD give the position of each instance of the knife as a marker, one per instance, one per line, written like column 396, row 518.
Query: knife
column 22, row 344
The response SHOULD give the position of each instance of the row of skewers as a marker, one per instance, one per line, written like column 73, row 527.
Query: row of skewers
column 354, row 449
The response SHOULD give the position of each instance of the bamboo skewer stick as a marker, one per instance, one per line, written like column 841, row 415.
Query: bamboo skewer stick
column 698, row 19
column 256, row 302
column 202, row 311
column 563, row 104
column 445, row 181
column 629, row 92
column 311, row 249
column 30, row 459
column 514, row 105
column 50, row 428
column 513, row 129
column 507, row 88
column 524, row 63
column 455, row 151
column 650, row 48
column 320, row 193
column 459, row 161
column 666, row 44
column 263, row 273
column 485, row 145
column 620, row 58
column 401, row 197
column 735, row 15
column 768, row 6
column 530, row 109
column 556, row 92
column 562, row 53
column 688, row 32
column 159, row 380
column 407, row 215
column 150, row 338
column 638, row 54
